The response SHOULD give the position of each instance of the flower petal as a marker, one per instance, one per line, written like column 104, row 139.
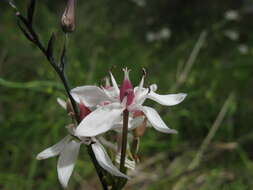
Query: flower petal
column 62, row 103
column 100, row 120
column 90, row 95
column 111, row 93
column 104, row 160
column 139, row 98
column 128, row 163
column 53, row 150
column 67, row 161
column 114, row 84
column 156, row 120
column 167, row 100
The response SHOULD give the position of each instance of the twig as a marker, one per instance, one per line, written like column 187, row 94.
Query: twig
column 197, row 159
column 30, row 85
column 188, row 65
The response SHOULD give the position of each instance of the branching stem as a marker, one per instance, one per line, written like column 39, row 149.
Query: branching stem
column 32, row 36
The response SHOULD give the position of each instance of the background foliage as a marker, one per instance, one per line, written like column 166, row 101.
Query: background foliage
column 160, row 36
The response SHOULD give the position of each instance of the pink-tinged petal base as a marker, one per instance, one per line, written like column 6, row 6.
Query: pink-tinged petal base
column 83, row 110
column 126, row 89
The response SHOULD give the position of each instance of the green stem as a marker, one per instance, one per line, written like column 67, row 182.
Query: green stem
column 120, row 183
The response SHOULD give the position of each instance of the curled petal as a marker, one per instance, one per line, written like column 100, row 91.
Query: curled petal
column 156, row 120
column 167, row 100
column 89, row 95
column 100, row 120
column 104, row 160
column 153, row 87
column 53, row 150
column 67, row 161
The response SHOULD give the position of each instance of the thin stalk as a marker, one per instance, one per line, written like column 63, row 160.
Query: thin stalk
column 121, row 182
column 124, row 141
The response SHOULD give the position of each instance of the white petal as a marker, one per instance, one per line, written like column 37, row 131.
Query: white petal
column 156, row 120
column 140, row 96
column 67, row 161
column 167, row 100
column 62, row 103
column 90, row 95
column 111, row 93
column 53, row 150
column 153, row 87
column 139, row 88
column 100, row 120
column 128, row 163
column 104, row 160
column 114, row 84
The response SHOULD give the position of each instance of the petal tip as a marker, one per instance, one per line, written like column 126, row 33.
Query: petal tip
column 63, row 184
column 181, row 97
column 173, row 131
column 38, row 157
column 184, row 95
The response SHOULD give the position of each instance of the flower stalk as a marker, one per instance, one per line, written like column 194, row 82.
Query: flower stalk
column 124, row 141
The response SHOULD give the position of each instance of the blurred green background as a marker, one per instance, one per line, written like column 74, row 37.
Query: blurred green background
column 203, row 48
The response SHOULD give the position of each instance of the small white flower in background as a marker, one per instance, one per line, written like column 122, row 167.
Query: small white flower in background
column 243, row 49
column 111, row 102
column 162, row 34
column 140, row 3
column 231, row 34
column 68, row 149
column 231, row 15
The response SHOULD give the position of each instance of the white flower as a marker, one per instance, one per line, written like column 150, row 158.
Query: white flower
column 112, row 101
column 231, row 15
column 68, row 149
column 243, row 49
column 231, row 34
column 163, row 34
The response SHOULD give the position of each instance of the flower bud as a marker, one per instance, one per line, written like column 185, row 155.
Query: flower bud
column 126, row 89
column 140, row 130
column 68, row 17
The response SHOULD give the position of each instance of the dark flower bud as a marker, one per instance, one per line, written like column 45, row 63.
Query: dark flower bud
column 68, row 17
